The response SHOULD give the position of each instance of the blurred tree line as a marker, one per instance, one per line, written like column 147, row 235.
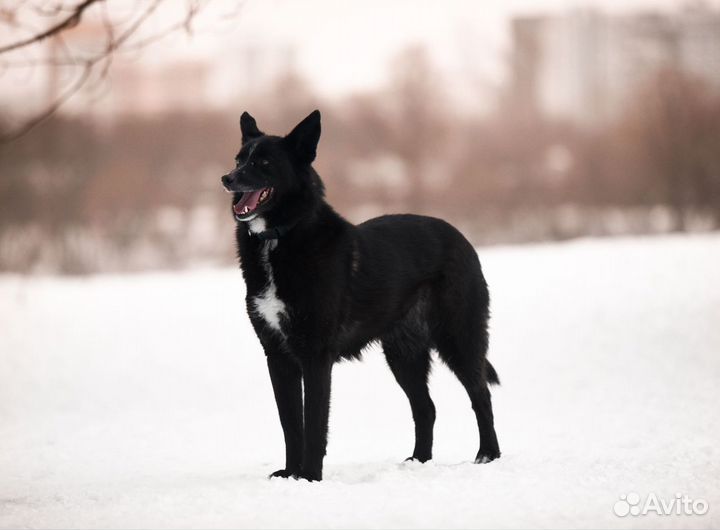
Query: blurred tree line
column 143, row 191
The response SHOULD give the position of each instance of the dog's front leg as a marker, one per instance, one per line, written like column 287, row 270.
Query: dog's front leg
column 286, row 377
column 317, row 377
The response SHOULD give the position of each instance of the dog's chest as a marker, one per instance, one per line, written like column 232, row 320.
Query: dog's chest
column 267, row 305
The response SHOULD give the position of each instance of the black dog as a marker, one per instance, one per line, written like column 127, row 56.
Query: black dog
column 319, row 289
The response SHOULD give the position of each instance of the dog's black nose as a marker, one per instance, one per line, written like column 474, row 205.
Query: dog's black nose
column 225, row 179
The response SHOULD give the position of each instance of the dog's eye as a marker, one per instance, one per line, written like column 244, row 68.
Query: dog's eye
column 264, row 162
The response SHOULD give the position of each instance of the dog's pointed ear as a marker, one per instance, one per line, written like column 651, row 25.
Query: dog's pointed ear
column 249, row 128
column 303, row 139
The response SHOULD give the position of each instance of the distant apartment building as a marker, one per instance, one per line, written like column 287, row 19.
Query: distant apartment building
column 582, row 66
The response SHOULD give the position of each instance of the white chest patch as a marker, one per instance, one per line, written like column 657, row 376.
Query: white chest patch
column 267, row 304
column 256, row 225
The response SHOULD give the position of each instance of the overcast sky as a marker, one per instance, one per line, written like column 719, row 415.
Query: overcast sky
column 343, row 46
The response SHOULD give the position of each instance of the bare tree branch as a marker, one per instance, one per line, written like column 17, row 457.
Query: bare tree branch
column 94, row 66
column 185, row 24
column 68, row 22
column 36, row 120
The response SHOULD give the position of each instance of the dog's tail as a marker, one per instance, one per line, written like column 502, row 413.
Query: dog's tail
column 491, row 375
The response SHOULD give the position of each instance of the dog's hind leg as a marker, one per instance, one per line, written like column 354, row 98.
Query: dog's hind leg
column 482, row 405
column 469, row 370
column 462, row 341
column 410, row 364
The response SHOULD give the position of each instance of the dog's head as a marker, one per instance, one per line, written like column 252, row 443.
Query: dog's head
column 272, row 174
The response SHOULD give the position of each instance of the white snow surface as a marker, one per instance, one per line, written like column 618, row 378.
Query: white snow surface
column 142, row 401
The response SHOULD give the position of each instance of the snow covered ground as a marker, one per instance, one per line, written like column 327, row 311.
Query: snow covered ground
column 122, row 401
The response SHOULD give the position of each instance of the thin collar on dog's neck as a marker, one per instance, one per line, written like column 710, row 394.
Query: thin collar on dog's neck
column 257, row 228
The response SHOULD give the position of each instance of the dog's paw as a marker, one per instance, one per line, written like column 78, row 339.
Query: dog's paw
column 282, row 473
column 484, row 458
column 308, row 475
column 420, row 459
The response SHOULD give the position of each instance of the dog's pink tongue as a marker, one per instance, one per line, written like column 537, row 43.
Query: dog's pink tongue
column 250, row 200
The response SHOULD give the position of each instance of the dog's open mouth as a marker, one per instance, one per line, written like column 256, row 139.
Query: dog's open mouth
column 249, row 201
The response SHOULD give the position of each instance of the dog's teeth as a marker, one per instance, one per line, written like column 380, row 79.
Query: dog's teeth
column 245, row 210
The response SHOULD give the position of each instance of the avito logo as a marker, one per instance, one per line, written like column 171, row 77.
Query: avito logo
column 633, row 504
